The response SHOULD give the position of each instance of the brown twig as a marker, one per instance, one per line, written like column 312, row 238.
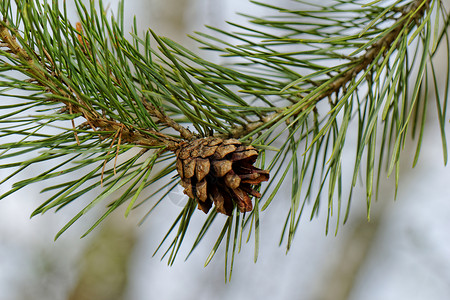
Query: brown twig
column 119, row 142
column 158, row 113
column 105, row 161
column 11, row 42
column 73, row 125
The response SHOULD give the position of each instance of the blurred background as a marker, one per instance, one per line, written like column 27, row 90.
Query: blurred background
column 402, row 253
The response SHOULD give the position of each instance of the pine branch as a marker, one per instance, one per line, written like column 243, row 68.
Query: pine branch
column 411, row 14
column 75, row 105
column 108, row 96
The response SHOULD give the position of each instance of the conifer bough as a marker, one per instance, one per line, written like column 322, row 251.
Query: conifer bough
column 107, row 95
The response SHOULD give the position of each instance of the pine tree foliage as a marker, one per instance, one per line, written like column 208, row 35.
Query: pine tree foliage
column 83, row 97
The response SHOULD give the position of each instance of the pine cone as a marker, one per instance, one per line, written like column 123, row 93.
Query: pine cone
column 219, row 171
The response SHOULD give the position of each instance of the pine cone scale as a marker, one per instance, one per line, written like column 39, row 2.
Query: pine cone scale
column 179, row 167
column 224, row 150
column 202, row 168
column 232, row 180
column 186, row 183
column 201, row 190
column 189, row 167
column 222, row 167
column 245, row 155
column 243, row 201
column 208, row 151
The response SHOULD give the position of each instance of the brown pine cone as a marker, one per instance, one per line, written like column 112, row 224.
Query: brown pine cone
column 219, row 171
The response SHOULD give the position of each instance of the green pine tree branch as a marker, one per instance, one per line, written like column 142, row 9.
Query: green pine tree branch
column 74, row 104
column 411, row 15
column 107, row 95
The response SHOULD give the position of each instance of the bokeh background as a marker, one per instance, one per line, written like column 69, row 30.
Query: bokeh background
column 402, row 253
